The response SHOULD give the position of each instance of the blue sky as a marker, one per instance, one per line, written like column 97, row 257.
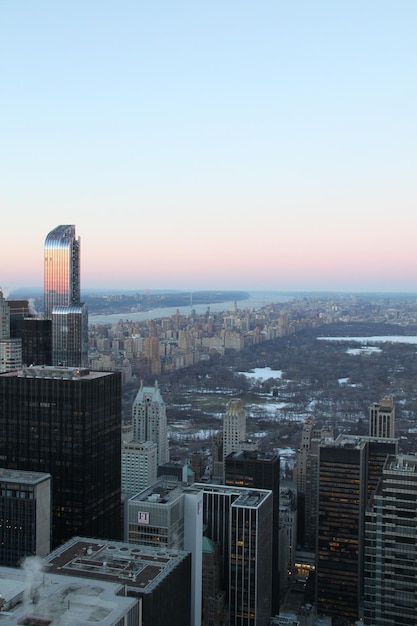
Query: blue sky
column 211, row 144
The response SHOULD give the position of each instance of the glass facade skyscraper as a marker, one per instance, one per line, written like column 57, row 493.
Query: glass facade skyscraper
column 62, row 298
column 67, row 422
column 62, row 269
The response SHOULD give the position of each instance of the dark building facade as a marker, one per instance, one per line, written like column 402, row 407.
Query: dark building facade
column 25, row 515
column 342, row 496
column 67, row 422
column 259, row 470
column 36, row 336
column 239, row 521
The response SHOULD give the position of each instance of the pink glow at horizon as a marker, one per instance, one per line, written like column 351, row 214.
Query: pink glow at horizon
column 233, row 145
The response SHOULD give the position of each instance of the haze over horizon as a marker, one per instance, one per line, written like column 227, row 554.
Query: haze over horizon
column 198, row 146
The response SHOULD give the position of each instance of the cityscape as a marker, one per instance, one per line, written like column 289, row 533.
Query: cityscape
column 283, row 499
column 208, row 313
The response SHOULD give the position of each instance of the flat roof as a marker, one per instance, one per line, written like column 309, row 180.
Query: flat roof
column 139, row 567
column 57, row 372
column 33, row 596
column 23, row 476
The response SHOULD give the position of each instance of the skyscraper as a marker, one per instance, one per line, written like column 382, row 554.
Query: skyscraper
column 342, row 497
column 382, row 418
column 390, row 572
column 234, row 427
column 62, row 298
column 67, row 422
column 10, row 348
column 25, row 515
column 260, row 470
column 4, row 317
column 62, row 269
column 240, row 521
column 150, row 421
column 306, row 477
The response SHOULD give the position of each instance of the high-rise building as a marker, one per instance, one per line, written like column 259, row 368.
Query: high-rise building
column 67, row 422
column 25, row 515
column 10, row 355
column 10, row 348
column 382, row 418
column 149, row 420
column 250, row 550
column 287, row 532
column 260, row 470
column 390, row 571
column 234, row 427
column 70, row 335
column 62, row 298
column 4, row 317
column 306, row 478
column 36, row 337
column 62, row 269
column 342, row 496
column 170, row 515
column 239, row 520
column 139, row 465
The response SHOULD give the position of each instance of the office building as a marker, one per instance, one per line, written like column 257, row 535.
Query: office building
column 149, row 420
column 36, row 337
column 10, row 355
column 342, row 496
column 4, row 317
column 239, row 521
column 160, row 580
column 306, row 478
column 62, row 298
column 390, row 569
column 214, row 601
column 382, row 418
column 234, row 427
column 170, row 516
column 67, row 422
column 287, row 533
column 70, row 336
column 61, row 269
column 139, row 465
column 25, row 515
column 10, row 348
column 260, row 470
column 250, row 587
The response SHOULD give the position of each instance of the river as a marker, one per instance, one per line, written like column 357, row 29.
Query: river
column 256, row 301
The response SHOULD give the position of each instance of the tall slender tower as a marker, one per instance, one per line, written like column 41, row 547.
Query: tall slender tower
column 150, row 420
column 62, row 269
column 234, row 427
column 382, row 418
column 62, row 298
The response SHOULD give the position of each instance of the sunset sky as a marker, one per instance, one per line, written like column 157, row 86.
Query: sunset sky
column 222, row 144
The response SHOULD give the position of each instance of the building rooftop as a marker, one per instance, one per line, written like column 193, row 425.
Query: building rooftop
column 32, row 596
column 254, row 455
column 139, row 567
column 57, row 372
column 161, row 492
column 22, row 476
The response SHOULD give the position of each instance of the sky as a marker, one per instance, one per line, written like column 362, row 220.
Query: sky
column 222, row 144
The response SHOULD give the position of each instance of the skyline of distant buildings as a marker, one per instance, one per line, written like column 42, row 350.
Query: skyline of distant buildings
column 61, row 428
